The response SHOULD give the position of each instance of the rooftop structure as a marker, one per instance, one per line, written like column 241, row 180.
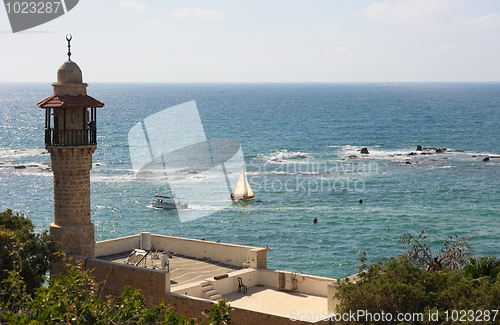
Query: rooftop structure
column 203, row 271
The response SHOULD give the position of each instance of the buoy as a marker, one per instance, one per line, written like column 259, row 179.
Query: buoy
column 315, row 220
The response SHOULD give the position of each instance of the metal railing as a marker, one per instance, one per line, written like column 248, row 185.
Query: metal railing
column 70, row 137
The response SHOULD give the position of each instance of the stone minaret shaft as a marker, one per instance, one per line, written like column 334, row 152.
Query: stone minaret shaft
column 70, row 138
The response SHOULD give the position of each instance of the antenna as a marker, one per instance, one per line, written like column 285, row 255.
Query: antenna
column 69, row 38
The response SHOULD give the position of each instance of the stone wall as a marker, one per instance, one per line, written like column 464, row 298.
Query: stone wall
column 113, row 277
column 72, row 223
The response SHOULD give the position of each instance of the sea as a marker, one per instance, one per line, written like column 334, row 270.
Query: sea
column 301, row 145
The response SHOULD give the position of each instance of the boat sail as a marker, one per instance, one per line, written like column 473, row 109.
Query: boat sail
column 242, row 191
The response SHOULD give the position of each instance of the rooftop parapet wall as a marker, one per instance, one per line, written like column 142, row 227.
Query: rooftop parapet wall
column 118, row 245
column 309, row 284
column 333, row 290
column 230, row 254
column 223, row 286
column 287, row 281
column 236, row 255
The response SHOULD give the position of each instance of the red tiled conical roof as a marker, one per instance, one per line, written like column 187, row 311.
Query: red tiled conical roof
column 67, row 101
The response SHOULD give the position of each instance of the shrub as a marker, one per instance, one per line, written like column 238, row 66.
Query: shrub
column 24, row 250
column 486, row 266
column 400, row 287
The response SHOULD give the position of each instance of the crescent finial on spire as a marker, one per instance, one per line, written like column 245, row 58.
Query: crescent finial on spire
column 69, row 38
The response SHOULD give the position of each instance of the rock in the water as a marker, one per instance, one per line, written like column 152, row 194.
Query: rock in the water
column 486, row 159
column 408, row 163
column 412, row 154
column 364, row 150
column 419, row 148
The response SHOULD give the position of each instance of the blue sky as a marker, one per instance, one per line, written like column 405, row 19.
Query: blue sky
column 262, row 41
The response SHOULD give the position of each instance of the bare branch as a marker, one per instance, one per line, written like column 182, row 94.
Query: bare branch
column 454, row 252
column 418, row 253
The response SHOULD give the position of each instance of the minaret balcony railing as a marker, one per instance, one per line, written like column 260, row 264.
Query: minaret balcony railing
column 55, row 137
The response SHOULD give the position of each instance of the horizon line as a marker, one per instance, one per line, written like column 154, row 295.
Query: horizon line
column 265, row 82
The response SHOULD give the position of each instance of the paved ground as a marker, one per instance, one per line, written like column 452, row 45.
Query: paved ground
column 183, row 269
column 281, row 303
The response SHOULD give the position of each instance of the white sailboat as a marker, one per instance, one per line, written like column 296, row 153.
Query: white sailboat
column 242, row 191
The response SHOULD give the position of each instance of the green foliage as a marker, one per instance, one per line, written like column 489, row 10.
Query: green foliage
column 219, row 313
column 13, row 293
column 24, row 250
column 486, row 266
column 74, row 298
column 399, row 286
column 363, row 260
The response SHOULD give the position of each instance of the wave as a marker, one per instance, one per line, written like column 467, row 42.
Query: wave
column 427, row 154
column 284, row 155
column 26, row 170
column 10, row 153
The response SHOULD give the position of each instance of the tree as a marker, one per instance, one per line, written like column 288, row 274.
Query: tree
column 219, row 314
column 453, row 253
column 399, row 287
column 24, row 250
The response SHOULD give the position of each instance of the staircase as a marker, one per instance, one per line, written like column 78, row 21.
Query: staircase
column 209, row 292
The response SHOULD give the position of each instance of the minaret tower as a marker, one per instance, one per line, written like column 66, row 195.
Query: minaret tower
column 70, row 138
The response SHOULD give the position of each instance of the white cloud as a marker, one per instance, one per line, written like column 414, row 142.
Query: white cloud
column 199, row 13
column 442, row 49
column 488, row 21
column 408, row 11
column 133, row 5
column 337, row 34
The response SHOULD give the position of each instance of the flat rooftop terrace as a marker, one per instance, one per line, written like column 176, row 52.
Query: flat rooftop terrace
column 289, row 304
column 183, row 269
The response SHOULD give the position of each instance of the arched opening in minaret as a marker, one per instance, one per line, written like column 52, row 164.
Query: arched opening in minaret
column 70, row 126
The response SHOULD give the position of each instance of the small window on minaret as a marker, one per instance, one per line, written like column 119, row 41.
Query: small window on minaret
column 72, row 116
